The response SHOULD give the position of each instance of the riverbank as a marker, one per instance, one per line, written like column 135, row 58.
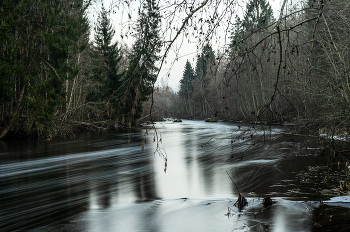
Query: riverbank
column 58, row 129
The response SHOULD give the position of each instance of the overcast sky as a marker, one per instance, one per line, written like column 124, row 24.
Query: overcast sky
column 187, row 51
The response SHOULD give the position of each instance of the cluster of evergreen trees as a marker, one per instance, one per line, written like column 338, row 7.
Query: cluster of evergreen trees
column 294, row 69
column 194, row 83
column 203, row 89
column 50, row 72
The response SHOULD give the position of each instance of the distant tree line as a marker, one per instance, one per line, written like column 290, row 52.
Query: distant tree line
column 294, row 68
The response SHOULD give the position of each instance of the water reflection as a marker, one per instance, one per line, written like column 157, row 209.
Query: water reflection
column 42, row 183
column 37, row 194
column 99, row 182
column 143, row 178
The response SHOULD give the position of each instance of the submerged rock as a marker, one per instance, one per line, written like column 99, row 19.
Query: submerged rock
column 267, row 202
column 211, row 120
column 177, row 120
column 222, row 120
column 241, row 202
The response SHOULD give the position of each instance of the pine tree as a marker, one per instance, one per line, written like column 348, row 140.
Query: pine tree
column 106, row 67
column 186, row 87
column 142, row 71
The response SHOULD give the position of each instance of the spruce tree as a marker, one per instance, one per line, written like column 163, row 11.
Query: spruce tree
column 106, row 59
column 142, row 71
column 186, row 87
column 258, row 14
column 204, row 65
column 204, row 60
column 237, row 35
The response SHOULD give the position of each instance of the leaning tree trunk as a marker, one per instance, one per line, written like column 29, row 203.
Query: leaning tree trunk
column 14, row 113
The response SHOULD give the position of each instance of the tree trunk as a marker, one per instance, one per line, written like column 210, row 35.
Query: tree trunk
column 12, row 116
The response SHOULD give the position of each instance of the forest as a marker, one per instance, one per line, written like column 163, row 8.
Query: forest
column 56, row 78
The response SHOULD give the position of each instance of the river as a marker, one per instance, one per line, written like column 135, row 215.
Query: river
column 107, row 181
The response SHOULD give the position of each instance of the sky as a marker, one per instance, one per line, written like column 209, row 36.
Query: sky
column 187, row 50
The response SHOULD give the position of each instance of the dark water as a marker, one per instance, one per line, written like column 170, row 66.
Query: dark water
column 100, row 182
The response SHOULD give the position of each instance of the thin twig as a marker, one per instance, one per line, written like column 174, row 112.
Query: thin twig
column 233, row 182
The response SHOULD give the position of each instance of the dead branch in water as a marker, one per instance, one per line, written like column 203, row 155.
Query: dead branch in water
column 241, row 201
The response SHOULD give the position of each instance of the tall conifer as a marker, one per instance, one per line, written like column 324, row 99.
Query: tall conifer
column 142, row 71
column 257, row 15
column 186, row 87
column 204, row 60
column 106, row 59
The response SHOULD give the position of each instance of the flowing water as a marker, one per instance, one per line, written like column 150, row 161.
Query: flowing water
column 106, row 181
